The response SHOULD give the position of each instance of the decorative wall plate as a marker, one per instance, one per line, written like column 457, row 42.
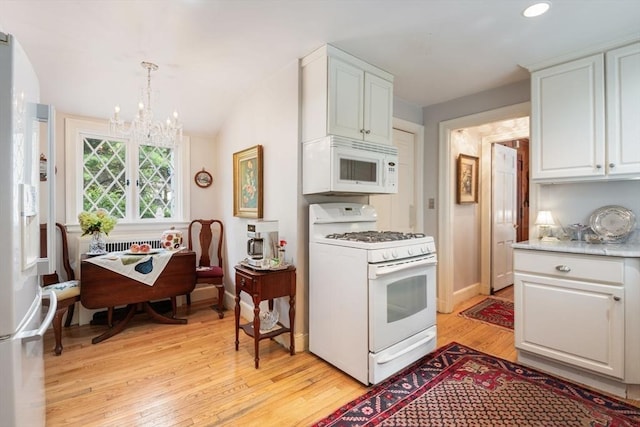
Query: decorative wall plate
column 613, row 222
column 203, row 179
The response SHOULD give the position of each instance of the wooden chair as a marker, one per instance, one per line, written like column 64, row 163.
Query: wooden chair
column 67, row 292
column 206, row 272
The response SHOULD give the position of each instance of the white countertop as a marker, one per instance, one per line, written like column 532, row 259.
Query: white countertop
column 630, row 249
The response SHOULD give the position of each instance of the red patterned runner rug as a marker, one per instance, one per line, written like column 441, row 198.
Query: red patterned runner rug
column 492, row 310
column 459, row 386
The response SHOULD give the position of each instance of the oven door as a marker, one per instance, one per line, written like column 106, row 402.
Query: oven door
column 402, row 300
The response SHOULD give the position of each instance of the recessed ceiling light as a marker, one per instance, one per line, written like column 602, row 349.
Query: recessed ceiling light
column 536, row 9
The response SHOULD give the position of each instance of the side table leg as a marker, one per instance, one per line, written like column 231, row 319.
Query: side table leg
column 256, row 328
column 237, row 314
column 292, row 317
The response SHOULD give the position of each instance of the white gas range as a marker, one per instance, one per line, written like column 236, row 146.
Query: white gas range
column 372, row 294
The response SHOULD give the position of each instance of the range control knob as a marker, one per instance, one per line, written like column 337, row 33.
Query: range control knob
column 410, row 251
column 394, row 253
column 385, row 255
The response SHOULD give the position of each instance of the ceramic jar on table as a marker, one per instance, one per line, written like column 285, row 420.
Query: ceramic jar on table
column 171, row 239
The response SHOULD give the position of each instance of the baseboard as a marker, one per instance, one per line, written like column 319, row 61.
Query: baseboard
column 464, row 294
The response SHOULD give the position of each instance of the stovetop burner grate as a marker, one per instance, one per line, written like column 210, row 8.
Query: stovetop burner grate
column 375, row 236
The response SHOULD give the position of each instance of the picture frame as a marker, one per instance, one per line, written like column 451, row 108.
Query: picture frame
column 467, row 179
column 247, row 183
column 203, row 179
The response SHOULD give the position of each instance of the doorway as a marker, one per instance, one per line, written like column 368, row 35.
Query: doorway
column 447, row 295
column 522, row 172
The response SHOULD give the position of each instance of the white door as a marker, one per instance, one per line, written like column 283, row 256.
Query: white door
column 397, row 212
column 503, row 214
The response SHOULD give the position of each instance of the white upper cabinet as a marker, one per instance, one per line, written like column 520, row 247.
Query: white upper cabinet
column 567, row 120
column 582, row 128
column 623, row 110
column 346, row 100
column 342, row 95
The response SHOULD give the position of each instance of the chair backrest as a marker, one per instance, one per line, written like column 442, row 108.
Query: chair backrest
column 205, row 229
column 48, row 279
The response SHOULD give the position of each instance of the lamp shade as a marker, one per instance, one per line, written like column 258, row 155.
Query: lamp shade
column 545, row 218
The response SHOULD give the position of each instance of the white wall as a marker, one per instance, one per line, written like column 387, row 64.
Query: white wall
column 574, row 203
column 268, row 116
column 466, row 218
column 406, row 111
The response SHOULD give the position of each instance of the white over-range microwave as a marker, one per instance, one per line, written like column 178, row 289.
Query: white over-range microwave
column 337, row 165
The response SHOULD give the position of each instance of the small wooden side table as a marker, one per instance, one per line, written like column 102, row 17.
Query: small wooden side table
column 262, row 286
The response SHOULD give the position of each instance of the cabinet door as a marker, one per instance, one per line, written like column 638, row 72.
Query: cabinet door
column 623, row 110
column 345, row 114
column 378, row 109
column 575, row 322
column 567, row 120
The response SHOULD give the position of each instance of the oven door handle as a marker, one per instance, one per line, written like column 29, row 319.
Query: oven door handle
column 391, row 357
column 390, row 269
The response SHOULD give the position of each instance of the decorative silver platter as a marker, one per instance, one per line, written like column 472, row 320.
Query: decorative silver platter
column 612, row 223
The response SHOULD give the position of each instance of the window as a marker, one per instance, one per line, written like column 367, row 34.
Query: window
column 135, row 183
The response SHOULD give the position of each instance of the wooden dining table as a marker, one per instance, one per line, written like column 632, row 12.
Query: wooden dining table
column 103, row 288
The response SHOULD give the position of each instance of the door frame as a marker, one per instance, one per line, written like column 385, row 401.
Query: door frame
column 446, row 193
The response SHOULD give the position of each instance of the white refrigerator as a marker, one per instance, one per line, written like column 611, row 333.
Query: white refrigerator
column 23, row 316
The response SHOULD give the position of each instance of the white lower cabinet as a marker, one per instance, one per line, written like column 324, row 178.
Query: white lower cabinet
column 578, row 311
column 579, row 323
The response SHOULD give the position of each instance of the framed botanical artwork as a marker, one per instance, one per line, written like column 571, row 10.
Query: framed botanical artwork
column 467, row 179
column 247, row 183
column 203, row 179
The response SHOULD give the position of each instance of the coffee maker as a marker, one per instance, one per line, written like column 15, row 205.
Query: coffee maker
column 262, row 245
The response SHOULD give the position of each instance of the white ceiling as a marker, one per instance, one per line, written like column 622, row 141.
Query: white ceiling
column 212, row 53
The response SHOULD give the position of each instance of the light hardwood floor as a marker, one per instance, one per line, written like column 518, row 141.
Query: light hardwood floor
column 183, row 375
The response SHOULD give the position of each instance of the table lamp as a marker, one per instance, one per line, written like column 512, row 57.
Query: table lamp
column 544, row 221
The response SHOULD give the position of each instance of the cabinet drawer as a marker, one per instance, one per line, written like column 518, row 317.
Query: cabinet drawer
column 569, row 266
column 245, row 283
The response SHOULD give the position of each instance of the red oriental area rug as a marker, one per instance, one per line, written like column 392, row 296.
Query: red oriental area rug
column 458, row 386
column 492, row 310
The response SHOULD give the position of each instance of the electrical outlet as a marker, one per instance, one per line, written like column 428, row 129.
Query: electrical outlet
column 432, row 203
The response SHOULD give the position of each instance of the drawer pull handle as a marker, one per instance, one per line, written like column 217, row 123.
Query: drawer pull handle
column 617, row 298
column 563, row 268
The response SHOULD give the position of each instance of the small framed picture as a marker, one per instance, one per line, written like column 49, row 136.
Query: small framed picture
column 203, row 179
column 467, row 179
column 247, row 183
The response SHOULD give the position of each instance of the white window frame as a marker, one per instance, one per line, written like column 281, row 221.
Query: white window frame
column 75, row 131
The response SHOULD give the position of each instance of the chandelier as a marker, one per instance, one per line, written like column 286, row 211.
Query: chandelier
column 143, row 129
